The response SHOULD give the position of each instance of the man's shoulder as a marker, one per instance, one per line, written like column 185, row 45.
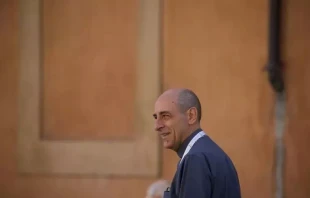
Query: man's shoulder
column 206, row 156
column 205, row 146
column 195, row 157
column 207, row 152
column 200, row 158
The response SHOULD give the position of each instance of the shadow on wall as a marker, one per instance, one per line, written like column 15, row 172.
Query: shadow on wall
column 156, row 189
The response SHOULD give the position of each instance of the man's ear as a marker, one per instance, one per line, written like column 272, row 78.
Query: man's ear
column 192, row 115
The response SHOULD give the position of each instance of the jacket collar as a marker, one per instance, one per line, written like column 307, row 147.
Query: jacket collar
column 184, row 144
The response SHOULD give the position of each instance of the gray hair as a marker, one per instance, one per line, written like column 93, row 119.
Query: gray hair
column 157, row 189
column 188, row 99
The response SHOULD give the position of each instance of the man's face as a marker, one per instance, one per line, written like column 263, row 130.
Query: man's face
column 170, row 123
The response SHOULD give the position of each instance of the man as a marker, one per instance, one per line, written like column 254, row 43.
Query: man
column 156, row 189
column 204, row 169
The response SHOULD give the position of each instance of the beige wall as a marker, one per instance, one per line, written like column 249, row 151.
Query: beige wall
column 296, row 57
column 224, row 43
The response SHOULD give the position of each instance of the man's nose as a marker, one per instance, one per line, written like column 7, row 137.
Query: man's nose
column 158, row 125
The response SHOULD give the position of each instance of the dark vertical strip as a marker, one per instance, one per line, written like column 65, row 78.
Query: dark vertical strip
column 274, row 67
column 275, row 74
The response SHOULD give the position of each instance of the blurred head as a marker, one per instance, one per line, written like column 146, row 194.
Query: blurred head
column 156, row 189
column 177, row 114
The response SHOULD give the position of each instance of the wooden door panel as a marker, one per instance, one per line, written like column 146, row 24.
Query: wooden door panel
column 296, row 59
column 133, row 157
column 89, row 69
column 218, row 49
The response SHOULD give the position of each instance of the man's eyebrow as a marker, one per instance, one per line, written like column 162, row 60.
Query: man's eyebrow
column 164, row 112
column 161, row 113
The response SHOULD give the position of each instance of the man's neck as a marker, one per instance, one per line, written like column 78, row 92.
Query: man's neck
column 180, row 151
column 191, row 130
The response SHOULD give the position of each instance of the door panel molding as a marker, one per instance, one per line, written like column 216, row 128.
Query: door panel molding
column 139, row 157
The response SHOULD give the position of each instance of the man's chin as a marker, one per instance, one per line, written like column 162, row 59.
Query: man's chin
column 168, row 145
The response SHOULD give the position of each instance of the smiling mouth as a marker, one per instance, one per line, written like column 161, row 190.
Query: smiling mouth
column 164, row 135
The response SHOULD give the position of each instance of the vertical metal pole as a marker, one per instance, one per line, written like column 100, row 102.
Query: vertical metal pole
column 274, row 67
column 275, row 72
column 280, row 109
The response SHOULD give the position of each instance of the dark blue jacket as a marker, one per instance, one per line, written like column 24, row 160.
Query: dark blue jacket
column 205, row 172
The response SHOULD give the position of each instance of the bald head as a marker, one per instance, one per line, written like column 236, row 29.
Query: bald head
column 188, row 99
column 177, row 113
column 184, row 99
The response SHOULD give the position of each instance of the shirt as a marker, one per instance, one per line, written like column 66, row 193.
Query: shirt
column 205, row 172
